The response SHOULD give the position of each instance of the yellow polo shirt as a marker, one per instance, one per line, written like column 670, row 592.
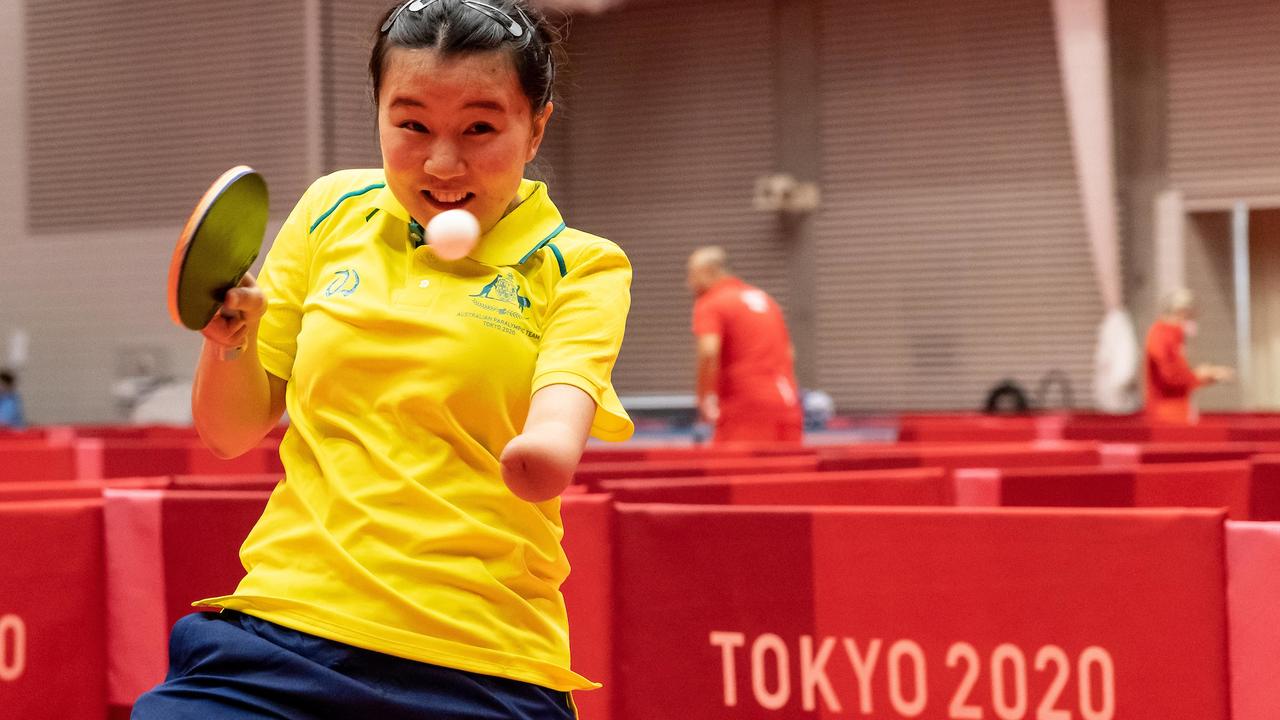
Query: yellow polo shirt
column 407, row 376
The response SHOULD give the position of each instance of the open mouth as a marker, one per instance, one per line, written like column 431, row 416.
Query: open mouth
column 442, row 200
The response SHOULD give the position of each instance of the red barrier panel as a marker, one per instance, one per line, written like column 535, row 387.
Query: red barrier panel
column 1216, row 484
column 51, row 588
column 896, row 613
column 956, row 456
column 979, row 428
column 1228, row 485
column 165, row 549
column 1212, row 427
column 1045, row 487
column 595, row 454
column 601, row 455
column 1146, row 433
column 592, row 474
column 129, row 458
column 34, row 434
column 913, row 486
column 48, row 434
column 137, row 432
column 55, row 489
column 1202, row 452
column 1253, row 585
column 1258, row 431
column 150, row 432
column 26, row 460
column 261, row 482
column 588, row 541
column 1264, row 488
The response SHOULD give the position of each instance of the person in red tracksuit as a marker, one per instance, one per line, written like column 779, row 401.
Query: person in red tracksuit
column 746, row 378
column 1170, row 378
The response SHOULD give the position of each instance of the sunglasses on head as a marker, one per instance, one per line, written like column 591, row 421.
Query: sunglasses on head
column 498, row 16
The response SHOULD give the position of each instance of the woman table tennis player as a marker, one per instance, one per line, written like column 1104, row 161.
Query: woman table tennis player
column 409, row 564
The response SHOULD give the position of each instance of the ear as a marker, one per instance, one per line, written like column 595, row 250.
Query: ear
column 539, row 131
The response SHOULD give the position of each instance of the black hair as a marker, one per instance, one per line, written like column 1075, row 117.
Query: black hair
column 7, row 378
column 458, row 27
column 1007, row 397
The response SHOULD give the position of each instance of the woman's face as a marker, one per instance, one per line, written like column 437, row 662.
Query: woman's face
column 456, row 132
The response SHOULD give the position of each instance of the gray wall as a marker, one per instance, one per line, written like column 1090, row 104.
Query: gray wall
column 93, row 298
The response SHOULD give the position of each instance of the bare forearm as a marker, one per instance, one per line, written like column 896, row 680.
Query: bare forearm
column 538, row 464
column 708, row 372
column 232, row 401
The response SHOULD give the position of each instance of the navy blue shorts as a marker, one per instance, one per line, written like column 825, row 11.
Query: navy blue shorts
column 231, row 665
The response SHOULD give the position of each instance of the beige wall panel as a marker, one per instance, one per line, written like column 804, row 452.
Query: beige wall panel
column 1209, row 277
column 670, row 120
column 13, row 140
column 951, row 242
column 133, row 108
column 1264, row 310
column 1223, row 98
column 129, row 111
column 350, row 118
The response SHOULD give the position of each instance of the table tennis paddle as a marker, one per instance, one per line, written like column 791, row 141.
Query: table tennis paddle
column 217, row 246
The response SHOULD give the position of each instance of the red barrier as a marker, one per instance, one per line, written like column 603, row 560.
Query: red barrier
column 1216, row 484
column 130, row 458
column 51, row 589
column 913, row 486
column 55, row 490
column 1253, row 554
column 26, row 460
column 1232, row 485
column 651, row 453
column 588, row 541
column 34, row 434
column 1258, row 431
column 1110, row 431
column 895, row 613
column 592, row 474
column 978, row 428
column 151, row 432
column 956, row 456
column 1202, row 452
column 137, row 432
column 261, row 482
column 1045, row 487
column 48, row 434
column 1264, row 488
column 165, row 549
column 1250, row 427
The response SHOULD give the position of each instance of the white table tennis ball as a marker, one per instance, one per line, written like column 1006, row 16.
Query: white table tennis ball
column 452, row 234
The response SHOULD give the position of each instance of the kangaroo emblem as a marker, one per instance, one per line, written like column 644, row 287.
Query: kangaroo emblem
column 504, row 289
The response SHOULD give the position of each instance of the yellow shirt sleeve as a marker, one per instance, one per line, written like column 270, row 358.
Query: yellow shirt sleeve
column 285, row 279
column 583, row 333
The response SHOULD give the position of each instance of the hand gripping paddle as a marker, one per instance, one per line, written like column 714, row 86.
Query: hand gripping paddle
column 220, row 241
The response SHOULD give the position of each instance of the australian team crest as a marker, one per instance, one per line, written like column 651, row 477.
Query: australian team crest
column 503, row 288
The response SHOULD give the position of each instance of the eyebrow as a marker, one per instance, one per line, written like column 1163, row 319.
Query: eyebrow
column 473, row 105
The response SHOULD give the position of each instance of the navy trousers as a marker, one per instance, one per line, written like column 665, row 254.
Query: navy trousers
column 230, row 665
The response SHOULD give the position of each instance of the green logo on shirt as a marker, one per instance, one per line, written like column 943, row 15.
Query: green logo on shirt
column 345, row 282
column 503, row 288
